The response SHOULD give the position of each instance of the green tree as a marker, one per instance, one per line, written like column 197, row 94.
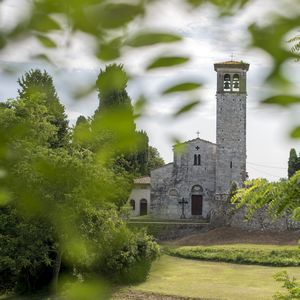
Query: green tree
column 154, row 159
column 293, row 163
column 36, row 82
column 55, row 197
column 232, row 191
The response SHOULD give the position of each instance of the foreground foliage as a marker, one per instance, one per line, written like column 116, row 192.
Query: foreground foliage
column 290, row 284
column 279, row 198
column 60, row 204
column 276, row 256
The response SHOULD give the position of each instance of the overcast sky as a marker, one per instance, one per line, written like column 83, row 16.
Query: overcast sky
column 207, row 40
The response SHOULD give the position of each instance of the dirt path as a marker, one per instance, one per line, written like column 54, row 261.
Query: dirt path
column 229, row 235
column 137, row 295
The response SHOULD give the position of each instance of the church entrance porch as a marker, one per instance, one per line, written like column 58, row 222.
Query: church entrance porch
column 197, row 203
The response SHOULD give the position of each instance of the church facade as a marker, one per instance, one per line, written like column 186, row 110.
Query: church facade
column 202, row 172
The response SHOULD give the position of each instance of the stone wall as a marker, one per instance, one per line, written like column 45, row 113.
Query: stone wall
column 168, row 231
column 225, row 214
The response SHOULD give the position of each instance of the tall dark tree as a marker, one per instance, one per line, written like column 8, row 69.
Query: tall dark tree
column 293, row 163
column 114, row 122
column 36, row 82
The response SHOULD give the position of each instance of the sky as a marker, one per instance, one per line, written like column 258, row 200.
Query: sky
column 207, row 40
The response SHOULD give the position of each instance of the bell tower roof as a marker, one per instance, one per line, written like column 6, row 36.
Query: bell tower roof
column 231, row 64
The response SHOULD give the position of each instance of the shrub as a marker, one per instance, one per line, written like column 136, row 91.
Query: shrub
column 120, row 254
column 290, row 284
column 258, row 256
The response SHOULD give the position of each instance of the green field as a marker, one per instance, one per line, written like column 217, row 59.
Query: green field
column 242, row 254
column 215, row 280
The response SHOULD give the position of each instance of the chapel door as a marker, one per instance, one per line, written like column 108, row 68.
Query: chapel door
column 143, row 207
column 197, row 205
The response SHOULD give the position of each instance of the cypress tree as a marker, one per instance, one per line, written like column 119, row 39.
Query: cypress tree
column 37, row 82
column 293, row 162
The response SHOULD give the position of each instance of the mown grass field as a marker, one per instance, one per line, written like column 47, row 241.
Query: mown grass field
column 241, row 253
column 214, row 280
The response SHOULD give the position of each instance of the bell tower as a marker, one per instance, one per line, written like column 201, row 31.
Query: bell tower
column 231, row 125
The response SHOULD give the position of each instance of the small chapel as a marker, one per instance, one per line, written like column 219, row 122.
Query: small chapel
column 200, row 177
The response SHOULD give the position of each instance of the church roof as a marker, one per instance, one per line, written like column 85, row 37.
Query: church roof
column 232, row 64
column 142, row 180
column 196, row 139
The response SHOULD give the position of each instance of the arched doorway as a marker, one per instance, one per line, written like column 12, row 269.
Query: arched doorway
column 197, row 200
column 143, row 207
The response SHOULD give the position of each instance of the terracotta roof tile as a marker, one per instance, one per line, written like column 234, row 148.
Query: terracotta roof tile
column 142, row 180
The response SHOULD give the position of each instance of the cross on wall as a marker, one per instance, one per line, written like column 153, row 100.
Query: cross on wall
column 182, row 202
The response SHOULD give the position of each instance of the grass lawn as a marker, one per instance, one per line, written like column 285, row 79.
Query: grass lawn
column 215, row 280
column 241, row 253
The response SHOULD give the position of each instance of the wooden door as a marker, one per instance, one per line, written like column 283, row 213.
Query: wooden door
column 197, row 205
column 143, row 207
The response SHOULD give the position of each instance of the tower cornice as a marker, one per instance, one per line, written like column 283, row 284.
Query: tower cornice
column 231, row 65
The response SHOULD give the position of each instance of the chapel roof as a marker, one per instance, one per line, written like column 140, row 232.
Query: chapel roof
column 142, row 180
column 196, row 139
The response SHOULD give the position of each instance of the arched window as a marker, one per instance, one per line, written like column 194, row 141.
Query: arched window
column 236, row 83
column 132, row 204
column 143, row 207
column 227, row 83
column 173, row 193
column 197, row 159
column 196, row 189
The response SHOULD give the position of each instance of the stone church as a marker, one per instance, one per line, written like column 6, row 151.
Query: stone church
column 200, row 177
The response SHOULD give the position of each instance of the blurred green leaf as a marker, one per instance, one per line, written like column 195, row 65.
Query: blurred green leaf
column 225, row 8
column 4, row 197
column 296, row 132
column 182, row 87
column 82, row 92
column 2, row 41
column 46, row 41
column 272, row 39
column 151, row 38
column 140, row 105
column 91, row 290
column 167, row 61
column 283, row 100
column 186, row 108
column 41, row 22
column 179, row 147
column 110, row 51
column 43, row 57
column 115, row 15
